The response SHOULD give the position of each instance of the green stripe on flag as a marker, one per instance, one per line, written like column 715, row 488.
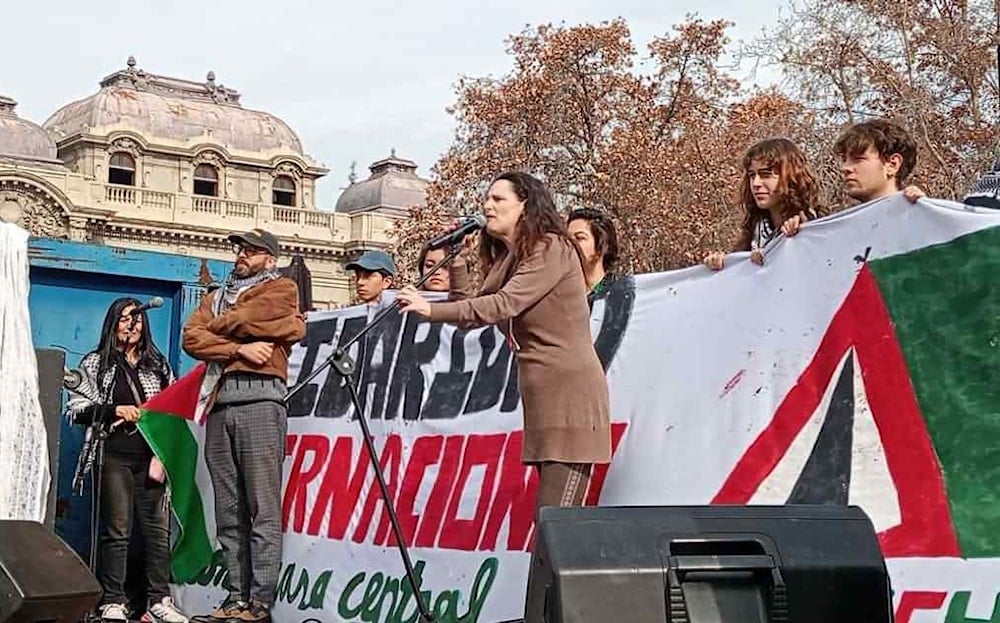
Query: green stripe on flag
column 172, row 441
column 945, row 304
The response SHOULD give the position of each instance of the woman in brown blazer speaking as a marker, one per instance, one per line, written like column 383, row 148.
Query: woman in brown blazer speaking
column 535, row 293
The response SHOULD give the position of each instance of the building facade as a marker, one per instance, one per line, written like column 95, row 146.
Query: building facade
column 158, row 163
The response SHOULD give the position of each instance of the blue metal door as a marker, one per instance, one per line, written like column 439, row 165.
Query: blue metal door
column 72, row 286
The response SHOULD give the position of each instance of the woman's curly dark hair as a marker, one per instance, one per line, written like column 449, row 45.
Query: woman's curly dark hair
column 539, row 218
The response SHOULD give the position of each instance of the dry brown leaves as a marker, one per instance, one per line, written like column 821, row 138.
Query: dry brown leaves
column 658, row 147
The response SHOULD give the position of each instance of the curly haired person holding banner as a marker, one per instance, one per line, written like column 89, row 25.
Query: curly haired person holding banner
column 876, row 159
column 777, row 192
column 124, row 371
column 535, row 293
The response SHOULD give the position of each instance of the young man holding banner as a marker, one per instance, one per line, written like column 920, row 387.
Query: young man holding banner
column 245, row 330
column 876, row 158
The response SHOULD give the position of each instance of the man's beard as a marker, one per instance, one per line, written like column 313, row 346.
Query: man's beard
column 244, row 270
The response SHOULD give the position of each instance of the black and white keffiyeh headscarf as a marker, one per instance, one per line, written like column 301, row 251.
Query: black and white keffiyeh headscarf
column 235, row 286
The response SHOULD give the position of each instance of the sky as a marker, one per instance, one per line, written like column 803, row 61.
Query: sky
column 354, row 80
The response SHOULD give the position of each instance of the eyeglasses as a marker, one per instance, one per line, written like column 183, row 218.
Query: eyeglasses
column 247, row 250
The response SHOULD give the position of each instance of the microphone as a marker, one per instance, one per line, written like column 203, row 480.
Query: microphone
column 456, row 235
column 152, row 304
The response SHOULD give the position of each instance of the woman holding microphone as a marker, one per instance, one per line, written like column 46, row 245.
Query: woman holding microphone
column 535, row 293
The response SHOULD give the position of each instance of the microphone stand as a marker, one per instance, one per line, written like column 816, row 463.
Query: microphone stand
column 97, row 486
column 344, row 365
column 91, row 462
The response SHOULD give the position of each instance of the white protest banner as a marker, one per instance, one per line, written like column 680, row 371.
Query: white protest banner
column 869, row 340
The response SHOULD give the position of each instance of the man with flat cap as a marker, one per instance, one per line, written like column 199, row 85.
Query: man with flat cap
column 374, row 273
column 244, row 331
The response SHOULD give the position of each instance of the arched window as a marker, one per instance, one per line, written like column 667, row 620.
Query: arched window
column 283, row 191
column 121, row 169
column 206, row 180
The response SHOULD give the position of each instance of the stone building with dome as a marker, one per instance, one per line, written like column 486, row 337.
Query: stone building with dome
column 392, row 188
column 159, row 163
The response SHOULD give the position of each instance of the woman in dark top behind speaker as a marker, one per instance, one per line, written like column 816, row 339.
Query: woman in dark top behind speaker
column 595, row 235
column 124, row 371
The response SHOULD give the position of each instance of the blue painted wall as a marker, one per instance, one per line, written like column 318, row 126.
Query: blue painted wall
column 72, row 286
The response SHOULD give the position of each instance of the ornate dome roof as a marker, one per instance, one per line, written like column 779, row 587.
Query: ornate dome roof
column 170, row 108
column 393, row 186
column 21, row 138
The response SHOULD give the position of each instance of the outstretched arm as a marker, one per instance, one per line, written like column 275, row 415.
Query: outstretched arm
column 534, row 277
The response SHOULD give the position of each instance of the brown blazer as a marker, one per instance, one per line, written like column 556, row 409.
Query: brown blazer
column 268, row 312
column 540, row 304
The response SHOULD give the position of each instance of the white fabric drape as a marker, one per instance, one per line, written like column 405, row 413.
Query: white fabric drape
column 24, row 460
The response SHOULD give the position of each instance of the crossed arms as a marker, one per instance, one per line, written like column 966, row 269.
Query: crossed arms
column 267, row 313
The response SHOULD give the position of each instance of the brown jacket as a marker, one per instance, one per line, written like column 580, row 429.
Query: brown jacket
column 268, row 312
column 540, row 303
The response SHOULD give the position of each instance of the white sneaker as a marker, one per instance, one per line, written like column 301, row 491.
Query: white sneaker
column 164, row 611
column 116, row 613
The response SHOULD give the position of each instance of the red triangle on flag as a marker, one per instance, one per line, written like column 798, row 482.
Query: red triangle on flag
column 180, row 398
column 863, row 324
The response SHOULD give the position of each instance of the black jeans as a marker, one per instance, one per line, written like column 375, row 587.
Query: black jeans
column 125, row 487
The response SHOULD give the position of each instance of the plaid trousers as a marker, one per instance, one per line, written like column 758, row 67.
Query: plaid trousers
column 245, row 451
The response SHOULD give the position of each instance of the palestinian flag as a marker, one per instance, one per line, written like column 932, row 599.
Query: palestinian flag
column 899, row 408
column 944, row 302
column 165, row 425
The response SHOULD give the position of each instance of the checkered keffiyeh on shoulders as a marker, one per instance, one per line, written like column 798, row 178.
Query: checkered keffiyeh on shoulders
column 98, row 385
